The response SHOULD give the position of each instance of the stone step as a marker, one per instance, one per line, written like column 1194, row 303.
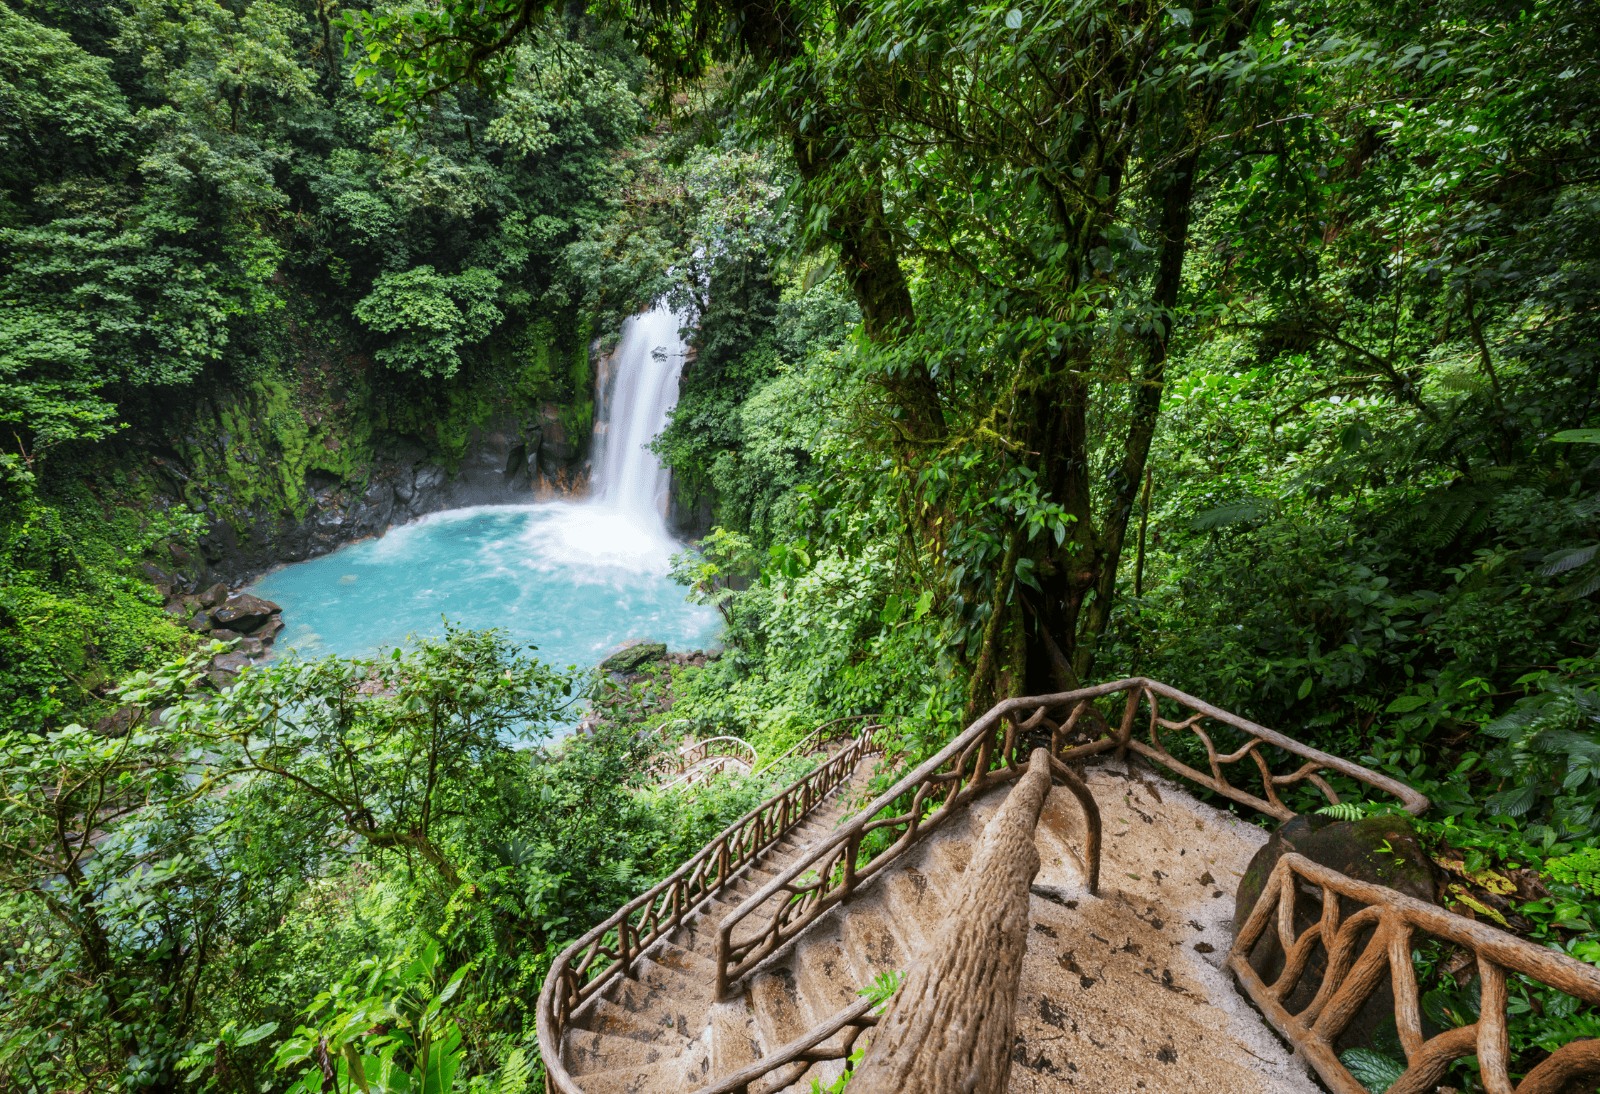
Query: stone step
column 658, row 1078
column 685, row 1073
column 685, row 962
column 735, row 1038
column 655, row 1006
column 604, row 1016
column 586, row 1052
column 916, row 906
column 775, row 999
column 694, row 991
column 826, row 975
column 871, row 940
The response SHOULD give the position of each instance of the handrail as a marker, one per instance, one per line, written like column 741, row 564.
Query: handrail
column 954, row 1020
column 643, row 921
column 693, row 757
column 1349, row 980
column 682, row 763
column 792, row 749
column 801, row 1052
column 961, row 771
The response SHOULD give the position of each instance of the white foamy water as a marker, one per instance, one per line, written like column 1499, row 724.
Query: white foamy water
column 574, row 578
column 628, row 478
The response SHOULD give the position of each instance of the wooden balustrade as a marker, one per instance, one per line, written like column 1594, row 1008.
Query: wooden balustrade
column 988, row 754
column 1391, row 922
column 984, row 756
column 607, row 952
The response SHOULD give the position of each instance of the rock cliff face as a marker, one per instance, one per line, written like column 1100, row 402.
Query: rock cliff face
column 280, row 473
column 506, row 461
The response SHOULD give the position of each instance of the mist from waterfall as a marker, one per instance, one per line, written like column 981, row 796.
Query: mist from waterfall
column 628, row 478
column 572, row 577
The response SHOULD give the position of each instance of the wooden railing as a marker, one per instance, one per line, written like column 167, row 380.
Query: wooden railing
column 607, row 952
column 692, row 763
column 1348, row 980
column 986, row 755
column 971, row 995
column 825, row 734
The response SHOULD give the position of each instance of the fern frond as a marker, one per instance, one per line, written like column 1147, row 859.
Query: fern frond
column 1580, row 589
column 1559, row 562
column 1236, row 512
column 1508, row 725
column 514, row 1073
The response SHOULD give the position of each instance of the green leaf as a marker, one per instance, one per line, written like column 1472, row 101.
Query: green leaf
column 1577, row 436
column 251, row 1036
column 1222, row 516
column 1559, row 562
column 1014, row 19
column 1373, row 1070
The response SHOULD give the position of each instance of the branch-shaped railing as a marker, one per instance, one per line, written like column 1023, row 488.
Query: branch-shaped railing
column 986, row 755
column 817, row 1045
column 607, row 952
column 825, row 734
column 1349, row 979
column 700, row 760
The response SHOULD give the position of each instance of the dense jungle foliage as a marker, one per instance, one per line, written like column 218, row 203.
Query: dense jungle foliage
column 1249, row 347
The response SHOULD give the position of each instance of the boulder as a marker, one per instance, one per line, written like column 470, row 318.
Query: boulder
column 1379, row 850
column 116, row 723
column 230, row 662
column 155, row 574
column 243, row 613
column 200, row 622
column 634, row 653
column 269, row 630
column 214, row 595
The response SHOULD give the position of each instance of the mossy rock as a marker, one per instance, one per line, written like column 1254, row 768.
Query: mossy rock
column 1378, row 850
column 632, row 655
column 1383, row 851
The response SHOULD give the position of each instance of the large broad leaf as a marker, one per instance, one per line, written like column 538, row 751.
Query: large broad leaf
column 1373, row 1070
column 1514, row 802
column 1513, row 720
column 1559, row 562
column 1580, row 588
column 250, row 1037
column 1578, row 436
column 1235, row 512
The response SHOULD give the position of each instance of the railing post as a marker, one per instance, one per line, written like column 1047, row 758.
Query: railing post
column 1128, row 712
column 952, row 1023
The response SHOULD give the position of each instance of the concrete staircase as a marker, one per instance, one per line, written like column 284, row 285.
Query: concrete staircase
column 1119, row 993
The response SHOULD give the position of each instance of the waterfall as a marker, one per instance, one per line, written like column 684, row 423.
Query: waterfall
column 628, row 478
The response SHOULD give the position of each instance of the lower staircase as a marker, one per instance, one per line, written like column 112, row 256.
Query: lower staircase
column 1115, row 995
column 661, row 1030
column 1114, row 966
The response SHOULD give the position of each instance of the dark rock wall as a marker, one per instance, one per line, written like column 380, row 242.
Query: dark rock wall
column 506, row 463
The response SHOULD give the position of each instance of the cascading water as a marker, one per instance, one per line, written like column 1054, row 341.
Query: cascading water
column 627, row 476
column 572, row 578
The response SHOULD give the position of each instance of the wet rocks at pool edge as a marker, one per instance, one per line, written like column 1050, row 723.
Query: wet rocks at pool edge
column 219, row 615
column 617, row 698
column 634, row 652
